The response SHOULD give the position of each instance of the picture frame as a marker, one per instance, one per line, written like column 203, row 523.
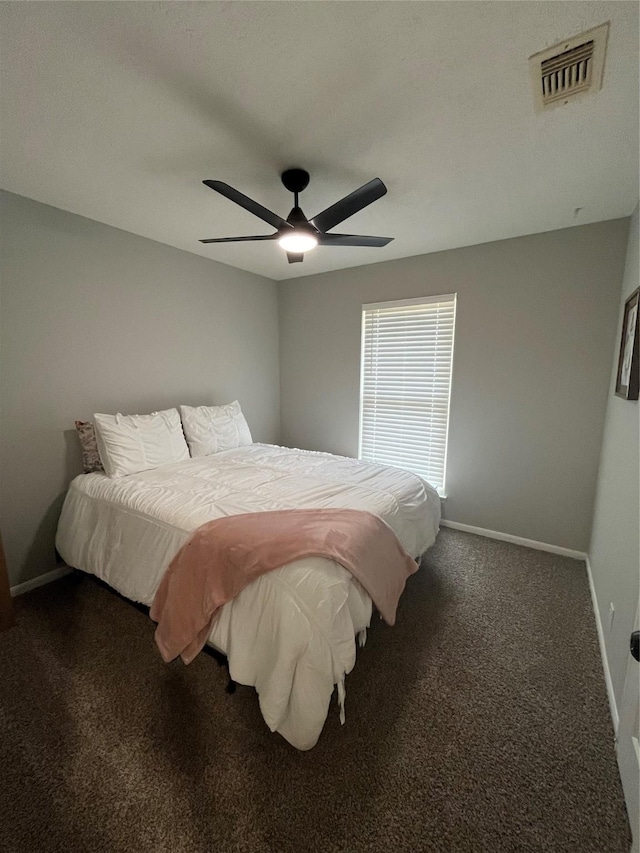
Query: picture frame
column 627, row 378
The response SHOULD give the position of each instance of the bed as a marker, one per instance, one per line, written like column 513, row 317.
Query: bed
column 292, row 633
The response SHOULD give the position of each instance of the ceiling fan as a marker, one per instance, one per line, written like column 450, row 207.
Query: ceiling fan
column 296, row 234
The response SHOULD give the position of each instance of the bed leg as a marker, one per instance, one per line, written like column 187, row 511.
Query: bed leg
column 222, row 661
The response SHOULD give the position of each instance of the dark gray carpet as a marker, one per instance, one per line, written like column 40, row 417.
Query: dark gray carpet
column 478, row 723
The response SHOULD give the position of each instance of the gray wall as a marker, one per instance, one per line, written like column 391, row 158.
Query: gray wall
column 615, row 544
column 535, row 330
column 96, row 319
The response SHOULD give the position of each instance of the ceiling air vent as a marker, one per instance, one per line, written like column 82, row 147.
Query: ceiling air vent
column 573, row 67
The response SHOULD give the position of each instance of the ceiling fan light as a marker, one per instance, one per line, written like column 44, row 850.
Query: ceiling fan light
column 298, row 241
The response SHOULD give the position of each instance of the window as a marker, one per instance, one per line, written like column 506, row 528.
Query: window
column 407, row 355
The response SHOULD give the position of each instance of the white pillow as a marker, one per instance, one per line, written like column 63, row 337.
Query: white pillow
column 210, row 429
column 130, row 443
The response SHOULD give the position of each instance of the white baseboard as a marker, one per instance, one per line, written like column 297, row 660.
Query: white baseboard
column 613, row 707
column 41, row 580
column 516, row 540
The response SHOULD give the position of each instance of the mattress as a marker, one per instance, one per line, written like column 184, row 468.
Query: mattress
column 291, row 633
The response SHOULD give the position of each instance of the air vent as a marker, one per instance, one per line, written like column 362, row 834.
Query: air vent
column 573, row 67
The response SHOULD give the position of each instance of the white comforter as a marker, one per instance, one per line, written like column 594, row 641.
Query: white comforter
column 292, row 632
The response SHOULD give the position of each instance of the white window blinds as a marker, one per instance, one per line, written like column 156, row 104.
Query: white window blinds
column 407, row 355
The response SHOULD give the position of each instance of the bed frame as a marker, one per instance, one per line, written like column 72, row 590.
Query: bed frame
column 78, row 576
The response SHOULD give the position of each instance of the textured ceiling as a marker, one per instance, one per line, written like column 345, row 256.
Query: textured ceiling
column 118, row 111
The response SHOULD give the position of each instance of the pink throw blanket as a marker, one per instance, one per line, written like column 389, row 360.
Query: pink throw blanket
column 225, row 555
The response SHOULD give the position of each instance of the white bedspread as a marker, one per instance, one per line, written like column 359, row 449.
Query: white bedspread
column 291, row 633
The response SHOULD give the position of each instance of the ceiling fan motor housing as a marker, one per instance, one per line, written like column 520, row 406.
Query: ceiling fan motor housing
column 300, row 221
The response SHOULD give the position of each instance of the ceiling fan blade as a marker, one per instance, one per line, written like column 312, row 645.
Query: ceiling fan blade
column 352, row 240
column 239, row 239
column 349, row 205
column 294, row 258
column 248, row 204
